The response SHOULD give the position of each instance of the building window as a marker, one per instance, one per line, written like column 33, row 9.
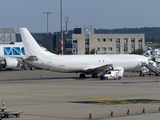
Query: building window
column 132, row 49
column 109, row 39
column 139, row 45
column 98, row 40
column 109, row 48
column 74, row 50
column 59, row 41
column 69, row 41
column 140, row 40
column 125, row 40
column 104, row 39
column 117, row 40
column 74, row 40
column 125, row 49
column 132, row 40
column 86, row 41
column 98, row 48
column 118, row 50
column 103, row 48
column 68, row 51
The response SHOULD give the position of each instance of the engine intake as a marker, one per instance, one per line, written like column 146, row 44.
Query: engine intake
column 8, row 63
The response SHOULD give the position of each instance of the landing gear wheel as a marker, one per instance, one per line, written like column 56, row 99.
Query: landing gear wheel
column 32, row 68
column 82, row 75
column 17, row 115
column 101, row 78
column 119, row 78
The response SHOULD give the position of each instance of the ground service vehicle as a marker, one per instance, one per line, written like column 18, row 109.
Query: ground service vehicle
column 115, row 74
column 8, row 114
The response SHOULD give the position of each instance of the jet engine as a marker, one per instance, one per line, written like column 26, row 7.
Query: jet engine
column 8, row 63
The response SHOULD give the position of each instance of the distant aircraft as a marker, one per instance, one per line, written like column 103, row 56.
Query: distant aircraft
column 11, row 54
column 83, row 64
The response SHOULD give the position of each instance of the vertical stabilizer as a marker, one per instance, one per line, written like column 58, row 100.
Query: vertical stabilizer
column 30, row 45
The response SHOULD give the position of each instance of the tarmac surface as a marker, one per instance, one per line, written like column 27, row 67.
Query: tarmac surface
column 46, row 95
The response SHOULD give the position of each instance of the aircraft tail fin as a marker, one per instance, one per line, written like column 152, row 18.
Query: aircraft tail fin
column 30, row 45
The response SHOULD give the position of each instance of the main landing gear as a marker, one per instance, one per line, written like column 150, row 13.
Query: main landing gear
column 82, row 75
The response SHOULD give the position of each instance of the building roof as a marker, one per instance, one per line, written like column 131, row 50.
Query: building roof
column 6, row 31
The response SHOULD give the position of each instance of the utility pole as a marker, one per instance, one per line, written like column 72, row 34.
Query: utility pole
column 47, row 20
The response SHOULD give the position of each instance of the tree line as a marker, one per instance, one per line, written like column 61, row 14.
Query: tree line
column 152, row 34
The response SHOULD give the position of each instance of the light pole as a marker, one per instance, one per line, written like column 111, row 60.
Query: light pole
column 47, row 19
column 62, row 51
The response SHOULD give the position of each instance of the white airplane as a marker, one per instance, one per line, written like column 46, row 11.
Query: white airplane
column 11, row 55
column 83, row 64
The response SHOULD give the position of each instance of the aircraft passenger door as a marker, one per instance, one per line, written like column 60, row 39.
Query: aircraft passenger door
column 143, row 61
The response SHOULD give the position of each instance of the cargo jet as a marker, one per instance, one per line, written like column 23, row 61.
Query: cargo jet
column 83, row 64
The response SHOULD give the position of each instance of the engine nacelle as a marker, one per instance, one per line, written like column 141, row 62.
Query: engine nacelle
column 8, row 63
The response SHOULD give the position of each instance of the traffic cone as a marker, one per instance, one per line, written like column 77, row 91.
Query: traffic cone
column 128, row 111
column 112, row 113
column 90, row 115
column 143, row 111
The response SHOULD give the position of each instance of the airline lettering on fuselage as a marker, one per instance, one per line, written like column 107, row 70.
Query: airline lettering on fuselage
column 61, row 66
column 14, row 51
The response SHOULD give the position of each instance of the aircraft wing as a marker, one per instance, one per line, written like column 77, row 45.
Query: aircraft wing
column 98, row 69
column 31, row 58
column 3, row 57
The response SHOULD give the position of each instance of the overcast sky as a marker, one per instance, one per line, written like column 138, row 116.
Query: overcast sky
column 106, row 14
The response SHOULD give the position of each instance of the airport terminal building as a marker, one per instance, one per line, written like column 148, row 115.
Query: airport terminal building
column 84, row 40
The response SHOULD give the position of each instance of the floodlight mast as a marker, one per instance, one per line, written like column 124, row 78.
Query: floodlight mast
column 47, row 20
column 66, row 20
column 62, row 45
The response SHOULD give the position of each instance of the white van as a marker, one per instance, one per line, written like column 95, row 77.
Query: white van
column 115, row 74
